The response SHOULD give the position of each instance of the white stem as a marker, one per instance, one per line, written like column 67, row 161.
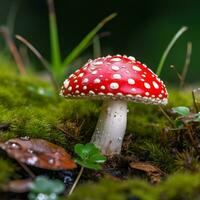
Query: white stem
column 111, row 127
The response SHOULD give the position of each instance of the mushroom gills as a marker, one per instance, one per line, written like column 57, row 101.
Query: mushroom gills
column 111, row 127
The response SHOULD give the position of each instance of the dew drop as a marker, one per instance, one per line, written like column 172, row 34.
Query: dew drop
column 51, row 161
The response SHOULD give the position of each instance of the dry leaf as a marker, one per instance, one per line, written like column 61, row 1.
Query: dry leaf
column 152, row 172
column 38, row 153
column 18, row 186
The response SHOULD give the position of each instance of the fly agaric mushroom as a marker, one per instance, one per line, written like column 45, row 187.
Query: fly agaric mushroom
column 116, row 80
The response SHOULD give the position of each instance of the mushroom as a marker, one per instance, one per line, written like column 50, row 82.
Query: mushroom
column 116, row 80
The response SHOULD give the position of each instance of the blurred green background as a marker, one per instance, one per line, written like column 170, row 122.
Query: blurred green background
column 142, row 28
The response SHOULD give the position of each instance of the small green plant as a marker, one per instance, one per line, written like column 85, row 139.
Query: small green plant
column 89, row 156
column 45, row 189
column 185, row 116
column 181, row 110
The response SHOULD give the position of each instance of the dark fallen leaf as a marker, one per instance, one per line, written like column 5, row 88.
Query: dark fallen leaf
column 18, row 186
column 4, row 126
column 152, row 172
column 38, row 153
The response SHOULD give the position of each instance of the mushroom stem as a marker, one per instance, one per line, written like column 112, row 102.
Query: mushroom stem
column 111, row 127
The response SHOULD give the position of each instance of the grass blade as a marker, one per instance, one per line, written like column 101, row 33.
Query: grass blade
column 86, row 40
column 54, row 39
column 169, row 47
column 96, row 47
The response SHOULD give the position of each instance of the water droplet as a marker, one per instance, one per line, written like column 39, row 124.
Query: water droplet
column 32, row 160
column 51, row 161
column 119, row 138
column 13, row 145
column 30, row 150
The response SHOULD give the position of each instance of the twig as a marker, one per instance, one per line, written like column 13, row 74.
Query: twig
column 76, row 181
column 29, row 172
column 187, row 63
column 40, row 57
column 166, row 115
column 194, row 101
column 13, row 49
column 177, row 73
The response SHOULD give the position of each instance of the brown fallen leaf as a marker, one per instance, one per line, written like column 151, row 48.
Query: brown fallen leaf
column 154, row 173
column 18, row 186
column 38, row 153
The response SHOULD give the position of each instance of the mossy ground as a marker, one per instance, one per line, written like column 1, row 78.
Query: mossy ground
column 31, row 108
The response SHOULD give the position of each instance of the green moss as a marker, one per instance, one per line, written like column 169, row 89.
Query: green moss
column 176, row 187
column 7, row 170
column 33, row 109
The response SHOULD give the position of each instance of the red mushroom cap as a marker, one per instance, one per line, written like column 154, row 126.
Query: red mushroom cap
column 115, row 77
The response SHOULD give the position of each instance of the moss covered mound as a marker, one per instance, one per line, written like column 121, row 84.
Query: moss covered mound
column 30, row 107
column 176, row 187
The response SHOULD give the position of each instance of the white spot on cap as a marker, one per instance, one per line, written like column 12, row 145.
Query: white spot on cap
column 160, row 95
column 100, row 93
column 81, row 75
column 98, row 63
column 85, row 80
column 155, row 85
column 103, row 87
column 147, row 85
column 76, row 81
column 131, row 81
column 136, row 68
column 91, row 92
column 101, row 75
column 116, row 76
column 66, row 83
column 94, row 72
column 131, row 58
column 162, row 91
column 70, row 88
column 119, row 94
column 114, row 67
column 114, row 85
column 143, row 75
column 153, row 95
column 133, row 89
column 85, row 87
column 97, row 80
column 142, row 79
column 77, row 92
column 147, row 93
column 116, row 59
column 110, row 94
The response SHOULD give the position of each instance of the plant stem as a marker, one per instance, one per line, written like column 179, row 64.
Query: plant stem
column 187, row 63
column 76, row 181
column 29, row 172
column 167, row 117
column 41, row 58
column 54, row 39
column 13, row 49
column 194, row 100
column 167, row 50
column 96, row 47
column 86, row 40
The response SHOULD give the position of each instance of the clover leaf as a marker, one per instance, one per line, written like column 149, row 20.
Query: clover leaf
column 182, row 110
column 44, row 188
column 89, row 156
